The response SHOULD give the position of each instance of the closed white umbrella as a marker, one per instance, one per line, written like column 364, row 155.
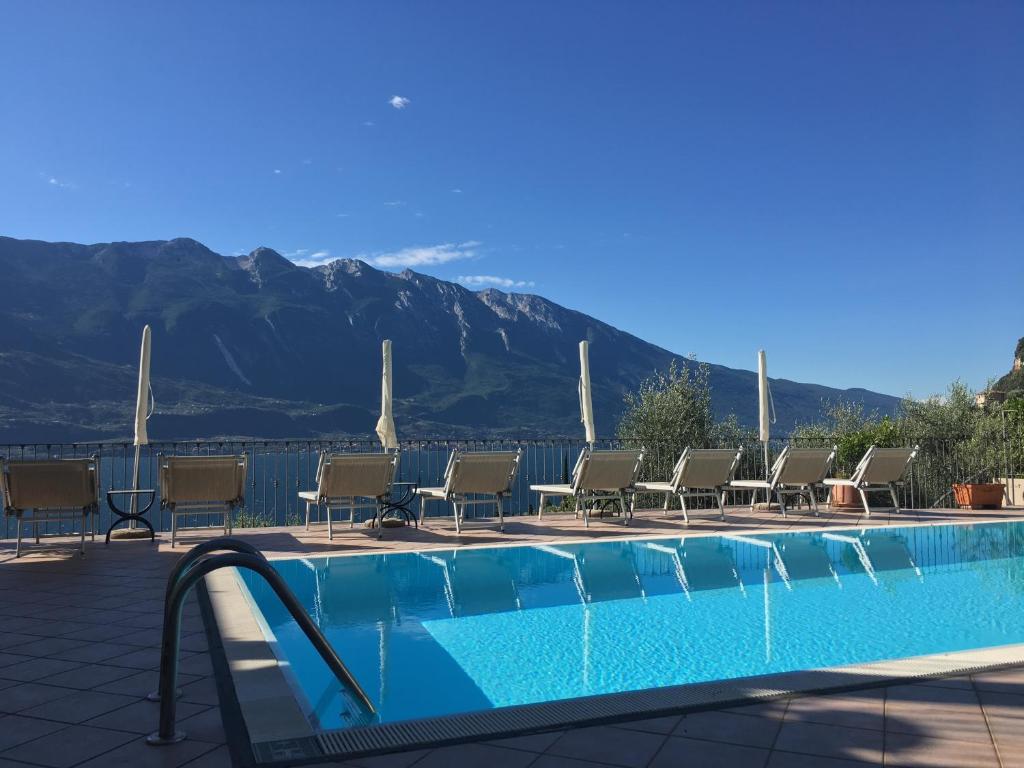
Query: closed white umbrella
column 143, row 410
column 586, row 402
column 386, row 422
column 766, row 407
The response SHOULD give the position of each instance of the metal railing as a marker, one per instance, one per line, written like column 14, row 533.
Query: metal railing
column 200, row 561
column 279, row 469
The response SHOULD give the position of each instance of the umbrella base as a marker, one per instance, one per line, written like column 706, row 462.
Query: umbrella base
column 130, row 533
column 767, row 507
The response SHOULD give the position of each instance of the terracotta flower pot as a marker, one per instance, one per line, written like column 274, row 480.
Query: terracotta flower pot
column 978, row 495
column 845, row 496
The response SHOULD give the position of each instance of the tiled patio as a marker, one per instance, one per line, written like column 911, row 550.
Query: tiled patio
column 79, row 649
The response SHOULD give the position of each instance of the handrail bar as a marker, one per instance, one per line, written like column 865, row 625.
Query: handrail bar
column 185, row 562
column 197, row 569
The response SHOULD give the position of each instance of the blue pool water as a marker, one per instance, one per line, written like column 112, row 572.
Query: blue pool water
column 443, row 632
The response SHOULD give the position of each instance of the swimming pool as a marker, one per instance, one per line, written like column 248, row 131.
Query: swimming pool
column 444, row 632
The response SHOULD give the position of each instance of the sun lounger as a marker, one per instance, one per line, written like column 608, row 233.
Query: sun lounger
column 471, row 475
column 62, row 490
column 700, row 472
column 599, row 476
column 191, row 485
column 881, row 469
column 351, row 481
column 796, row 472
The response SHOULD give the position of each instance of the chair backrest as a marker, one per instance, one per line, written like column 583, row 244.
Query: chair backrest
column 706, row 467
column 803, row 466
column 881, row 466
column 214, row 479
column 607, row 470
column 356, row 474
column 52, row 484
column 489, row 472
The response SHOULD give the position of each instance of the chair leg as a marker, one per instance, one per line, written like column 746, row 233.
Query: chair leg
column 814, row 499
column 625, row 509
column 586, row 512
column 307, row 515
column 668, row 498
column 895, row 499
column 352, row 514
column 682, row 505
column 720, row 498
column 864, row 498
column 458, row 524
column 174, row 528
column 782, row 500
column 330, row 524
column 17, row 549
column 85, row 524
column 540, row 509
column 501, row 516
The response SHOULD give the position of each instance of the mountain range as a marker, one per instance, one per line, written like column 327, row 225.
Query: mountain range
column 258, row 346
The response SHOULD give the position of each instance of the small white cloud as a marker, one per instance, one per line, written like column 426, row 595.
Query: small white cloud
column 419, row 214
column 307, row 161
column 342, row 215
column 277, row 170
column 304, row 258
column 480, row 281
column 422, row 256
column 398, row 102
column 457, row 191
column 53, row 181
column 394, row 203
column 369, row 123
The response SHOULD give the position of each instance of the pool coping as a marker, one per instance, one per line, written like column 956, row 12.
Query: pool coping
column 279, row 733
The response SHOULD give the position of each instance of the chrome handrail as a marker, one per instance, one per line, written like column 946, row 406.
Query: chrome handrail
column 187, row 573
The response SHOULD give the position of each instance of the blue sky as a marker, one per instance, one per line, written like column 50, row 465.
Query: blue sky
column 840, row 183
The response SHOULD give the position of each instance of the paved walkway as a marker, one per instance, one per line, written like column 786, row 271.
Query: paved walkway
column 79, row 649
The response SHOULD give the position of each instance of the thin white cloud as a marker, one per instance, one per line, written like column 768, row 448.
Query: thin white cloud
column 369, row 123
column 398, row 102
column 394, row 203
column 481, row 281
column 277, row 170
column 457, row 191
column 304, row 258
column 424, row 256
column 342, row 215
column 307, row 161
column 419, row 214
column 53, row 181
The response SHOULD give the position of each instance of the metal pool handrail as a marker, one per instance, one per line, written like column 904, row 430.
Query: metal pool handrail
column 186, row 574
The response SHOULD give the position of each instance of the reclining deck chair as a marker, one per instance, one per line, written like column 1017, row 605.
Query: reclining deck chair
column 353, row 481
column 191, row 485
column 60, row 490
column 598, row 476
column 473, row 474
column 700, row 472
column 881, row 469
column 796, row 472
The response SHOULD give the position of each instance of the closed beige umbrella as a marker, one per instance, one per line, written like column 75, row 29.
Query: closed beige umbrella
column 586, row 402
column 143, row 410
column 386, row 422
column 765, row 411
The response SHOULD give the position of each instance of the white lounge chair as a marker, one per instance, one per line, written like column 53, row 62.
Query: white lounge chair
column 192, row 485
column 881, row 469
column 598, row 476
column 351, row 481
column 700, row 472
column 796, row 472
column 470, row 475
column 61, row 490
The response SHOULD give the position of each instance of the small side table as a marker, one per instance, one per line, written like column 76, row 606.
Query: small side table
column 400, row 506
column 127, row 516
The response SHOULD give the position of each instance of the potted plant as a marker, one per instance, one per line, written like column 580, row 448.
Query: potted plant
column 980, row 493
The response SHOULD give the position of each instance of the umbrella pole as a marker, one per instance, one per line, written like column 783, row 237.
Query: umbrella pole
column 135, row 485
